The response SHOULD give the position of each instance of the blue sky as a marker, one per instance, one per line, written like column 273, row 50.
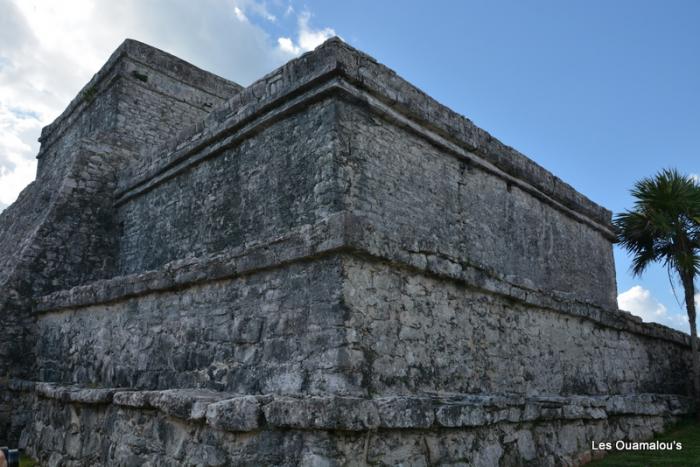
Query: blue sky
column 601, row 93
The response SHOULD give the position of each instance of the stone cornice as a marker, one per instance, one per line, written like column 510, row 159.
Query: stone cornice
column 342, row 233
column 335, row 68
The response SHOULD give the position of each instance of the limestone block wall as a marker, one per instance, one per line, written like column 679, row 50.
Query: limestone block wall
column 92, row 116
column 336, row 323
column 276, row 331
column 66, row 238
column 62, row 232
column 470, row 214
column 329, row 268
column 240, row 359
column 128, row 107
column 166, row 428
column 140, row 98
column 271, row 183
column 424, row 334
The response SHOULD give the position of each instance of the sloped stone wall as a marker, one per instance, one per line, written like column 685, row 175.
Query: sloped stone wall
column 52, row 249
column 62, row 231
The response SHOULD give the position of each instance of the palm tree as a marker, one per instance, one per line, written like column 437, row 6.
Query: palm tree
column 664, row 227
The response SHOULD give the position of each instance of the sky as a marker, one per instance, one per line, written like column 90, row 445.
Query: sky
column 600, row 93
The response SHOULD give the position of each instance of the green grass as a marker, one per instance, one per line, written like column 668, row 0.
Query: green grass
column 686, row 432
column 25, row 461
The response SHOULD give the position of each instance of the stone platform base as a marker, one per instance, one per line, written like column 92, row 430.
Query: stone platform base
column 72, row 426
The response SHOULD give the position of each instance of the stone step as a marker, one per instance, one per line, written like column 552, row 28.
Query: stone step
column 250, row 412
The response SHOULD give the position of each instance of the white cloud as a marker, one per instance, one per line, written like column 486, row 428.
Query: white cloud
column 239, row 14
column 259, row 9
column 639, row 301
column 310, row 38
column 49, row 50
column 18, row 132
column 695, row 177
column 287, row 45
column 307, row 38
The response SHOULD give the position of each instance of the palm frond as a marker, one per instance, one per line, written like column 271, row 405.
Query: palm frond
column 664, row 225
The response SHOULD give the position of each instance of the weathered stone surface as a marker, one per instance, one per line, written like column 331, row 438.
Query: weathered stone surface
column 403, row 412
column 236, row 414
column 331, row 413
column 277, row 331
column 324, row 268
column 167, row 433
column 137, row 399
column 231, row 412
column 75, row 394
column 184, row 403
column 62, row 230
column 142, row 95
column 427, row 334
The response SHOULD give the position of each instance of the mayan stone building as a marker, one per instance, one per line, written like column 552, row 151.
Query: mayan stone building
column 326, row 267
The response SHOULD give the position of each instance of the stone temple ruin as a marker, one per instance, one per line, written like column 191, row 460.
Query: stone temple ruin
column 326, row 267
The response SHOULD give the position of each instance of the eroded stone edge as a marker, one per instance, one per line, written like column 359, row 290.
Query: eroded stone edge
column 336, row 59
column 340, row 233
column 245, row 413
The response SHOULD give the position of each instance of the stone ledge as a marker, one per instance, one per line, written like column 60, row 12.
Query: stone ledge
column 336, row 59
column 342, row 233
column 244, row 413
column 184, row 153
column 75, row 394
column 364, row 238
column 304, row 243
column 251, row 119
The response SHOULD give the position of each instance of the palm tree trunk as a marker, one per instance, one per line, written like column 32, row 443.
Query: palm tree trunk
column 689, row 287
